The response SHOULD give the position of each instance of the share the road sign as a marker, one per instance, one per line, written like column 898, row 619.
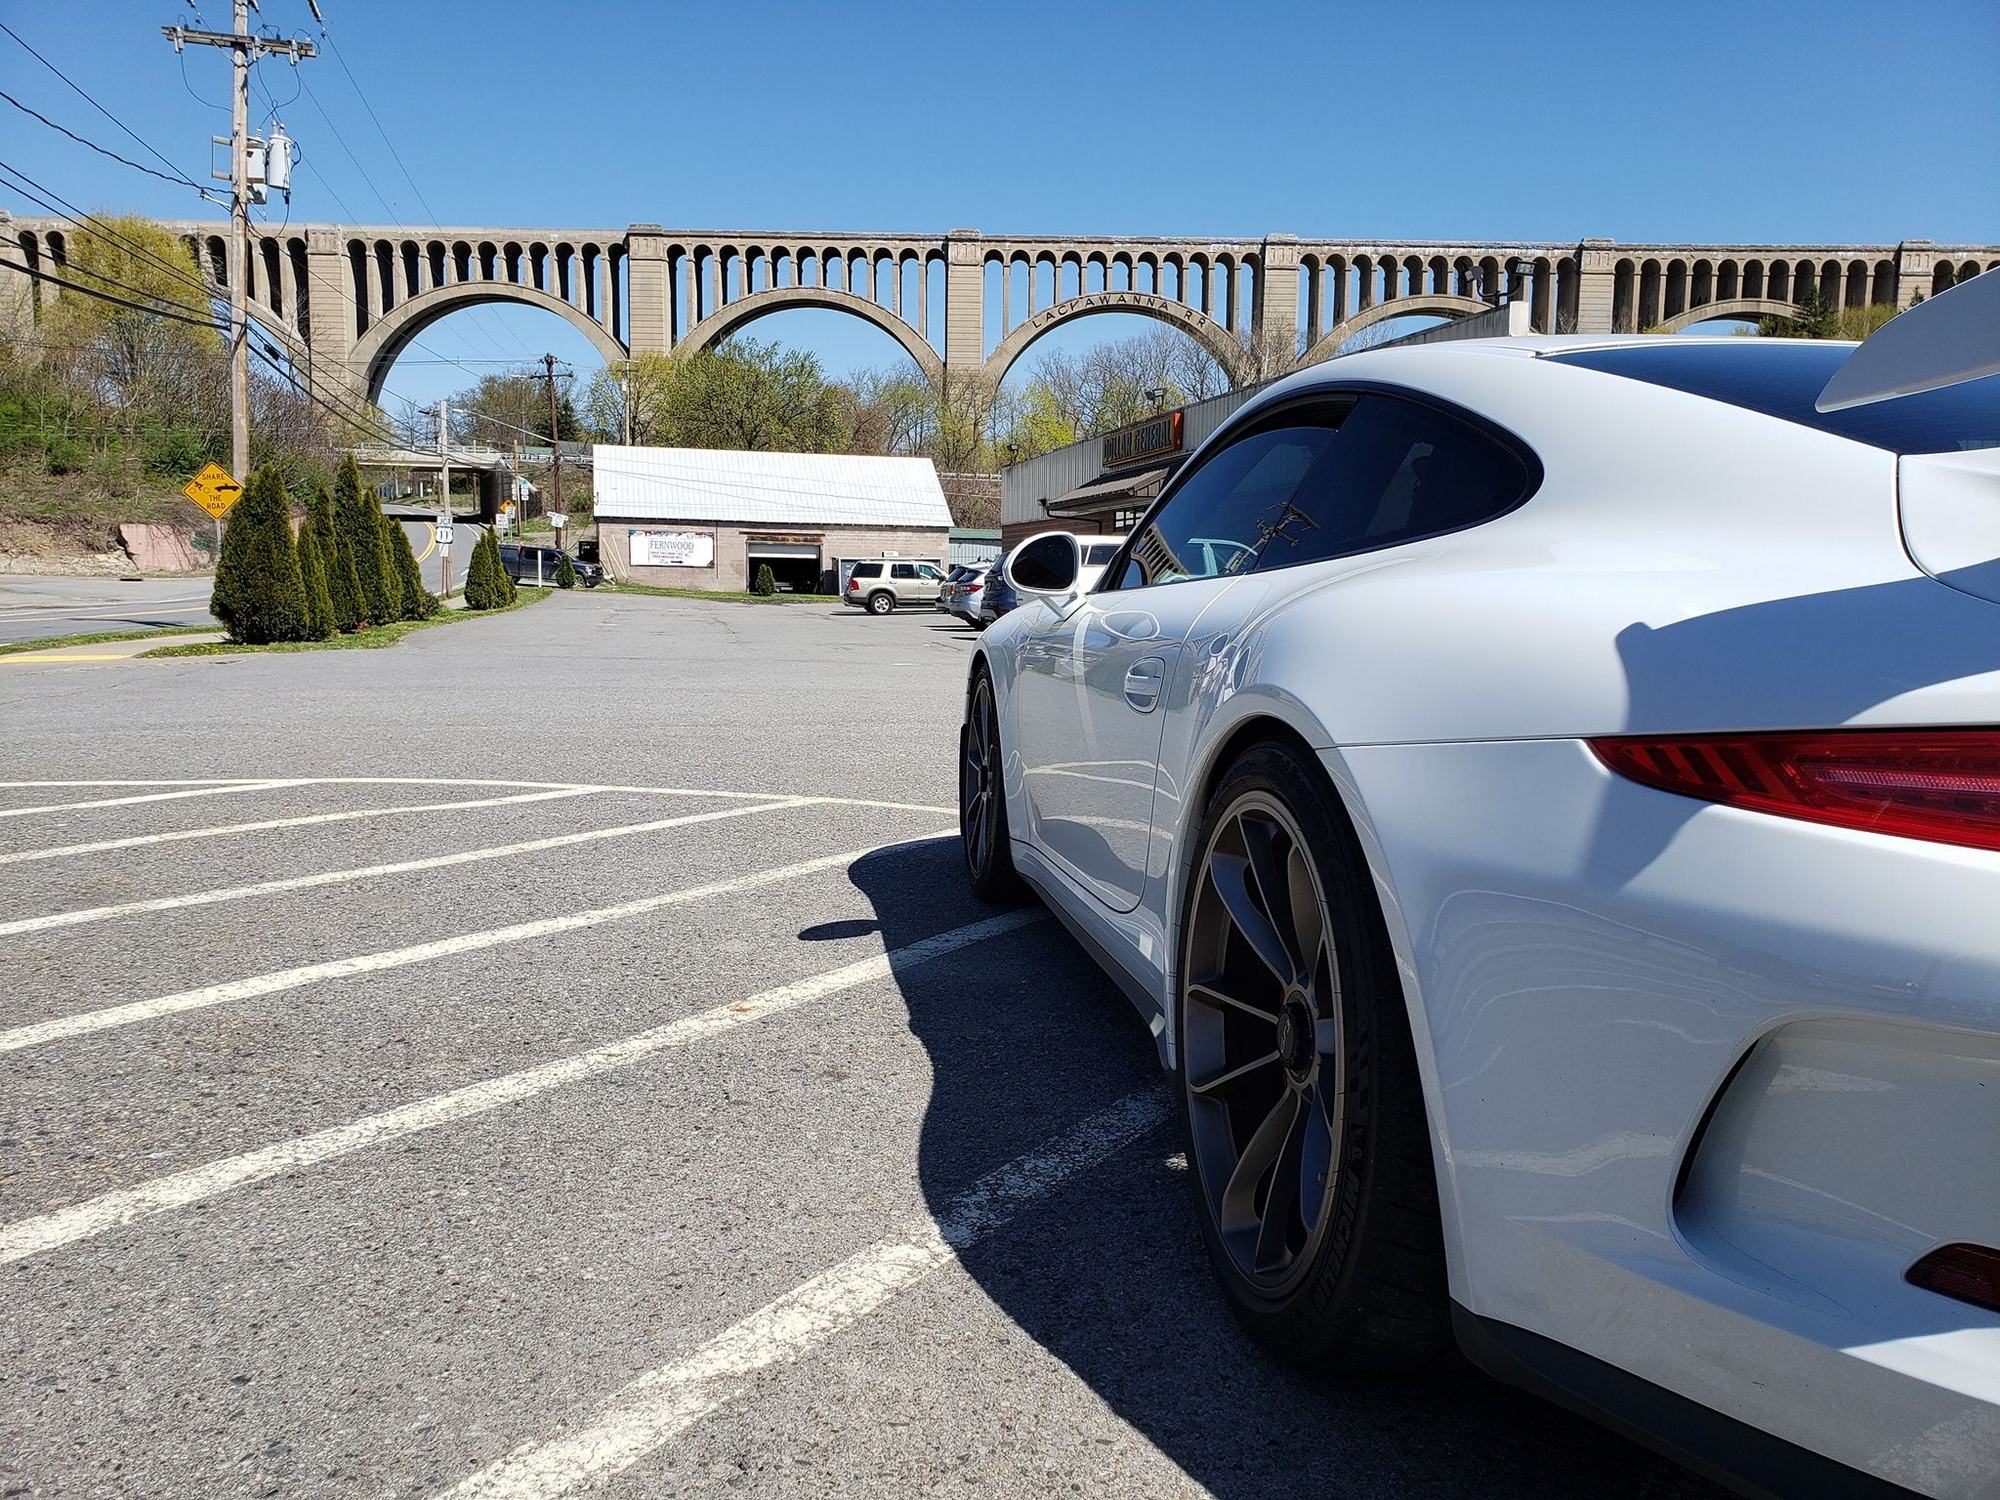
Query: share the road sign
column 213, row 490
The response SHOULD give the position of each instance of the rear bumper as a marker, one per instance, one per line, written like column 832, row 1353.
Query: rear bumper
column 1706, row 1082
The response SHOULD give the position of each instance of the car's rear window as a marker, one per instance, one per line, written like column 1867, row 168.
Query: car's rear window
column 1783, row 379
column 866, row 570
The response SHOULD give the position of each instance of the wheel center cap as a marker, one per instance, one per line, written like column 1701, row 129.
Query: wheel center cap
column 1296, row 1037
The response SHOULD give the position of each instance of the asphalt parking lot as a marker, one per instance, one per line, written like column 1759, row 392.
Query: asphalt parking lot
column 560, row 1054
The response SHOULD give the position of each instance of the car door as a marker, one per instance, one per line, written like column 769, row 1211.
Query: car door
column 1094, row 684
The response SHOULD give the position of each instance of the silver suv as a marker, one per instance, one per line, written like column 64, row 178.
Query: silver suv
column 879, row 584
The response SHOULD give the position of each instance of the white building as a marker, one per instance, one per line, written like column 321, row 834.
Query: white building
column 708, row 518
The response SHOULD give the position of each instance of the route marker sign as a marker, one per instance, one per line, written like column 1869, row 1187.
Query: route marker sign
column 213, row 490
column 442, row 532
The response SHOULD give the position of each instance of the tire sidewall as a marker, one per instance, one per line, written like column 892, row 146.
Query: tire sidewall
column 1280, row 772
column 995, row 881
column 881, row 604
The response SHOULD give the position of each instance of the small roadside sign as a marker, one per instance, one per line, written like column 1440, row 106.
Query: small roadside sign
column 213, row 490
column 443, row 531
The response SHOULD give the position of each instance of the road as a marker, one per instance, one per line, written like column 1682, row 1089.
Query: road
column 561, row 1052
column 33, row 606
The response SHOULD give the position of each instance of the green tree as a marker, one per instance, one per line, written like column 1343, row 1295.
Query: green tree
column 767, row 581
column 342, row 586
column 312, row 577
column 359, row 521
column 487, row 585
column 740, row 394
column 565, row 572
column 1816, row 318
column 418, row 602
column 259, row 596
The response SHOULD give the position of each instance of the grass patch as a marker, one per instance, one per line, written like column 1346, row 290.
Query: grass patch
column 100, row 637
column 374, row 638
column 723, row 595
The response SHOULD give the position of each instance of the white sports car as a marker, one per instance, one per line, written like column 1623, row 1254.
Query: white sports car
column 1544, row 797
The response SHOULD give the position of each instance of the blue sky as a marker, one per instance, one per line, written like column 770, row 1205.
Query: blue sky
column 1642, row 121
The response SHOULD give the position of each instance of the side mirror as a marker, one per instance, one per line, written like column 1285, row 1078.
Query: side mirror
column 1047, row 566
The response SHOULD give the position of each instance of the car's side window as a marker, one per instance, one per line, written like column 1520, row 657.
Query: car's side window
column 1220, row 518
column 1398, row 470
column 902, row 570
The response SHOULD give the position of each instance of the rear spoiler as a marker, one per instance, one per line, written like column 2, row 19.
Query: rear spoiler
column 1952, row 338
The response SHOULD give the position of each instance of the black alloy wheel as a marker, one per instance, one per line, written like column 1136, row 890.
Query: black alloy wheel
column 1307, row 1142
column 982, row 800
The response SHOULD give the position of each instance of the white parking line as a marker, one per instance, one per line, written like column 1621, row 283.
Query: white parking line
column 94, row 1216
column 396, row 958
column 401, row 867
column 179, row 835
column 665, row 1402
column 246, row 783
column 206, row 790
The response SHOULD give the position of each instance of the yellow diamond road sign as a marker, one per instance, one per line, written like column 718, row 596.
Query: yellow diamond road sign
column 213, row 490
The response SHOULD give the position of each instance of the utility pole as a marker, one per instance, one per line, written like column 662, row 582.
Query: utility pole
column 243, row 48
column 555, row 444
column 444, row 488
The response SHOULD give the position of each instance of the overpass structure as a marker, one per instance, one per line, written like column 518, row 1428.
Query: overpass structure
column 345, row 300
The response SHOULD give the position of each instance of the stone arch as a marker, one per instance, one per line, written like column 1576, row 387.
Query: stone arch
column 718, row 325
column 1204, row 330
column 389, row 335
column 1402, row 307
column 1733, row 307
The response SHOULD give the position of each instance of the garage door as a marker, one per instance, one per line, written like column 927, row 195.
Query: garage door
column 783, row 549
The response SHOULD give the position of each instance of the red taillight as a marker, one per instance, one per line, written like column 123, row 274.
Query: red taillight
column 854, row 585
column 973, row 588
column 1937, row 784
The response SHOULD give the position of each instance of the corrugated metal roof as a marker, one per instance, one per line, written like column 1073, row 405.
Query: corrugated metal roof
column 767, row 489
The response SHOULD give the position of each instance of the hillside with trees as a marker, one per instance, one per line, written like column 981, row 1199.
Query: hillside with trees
column 106, row 410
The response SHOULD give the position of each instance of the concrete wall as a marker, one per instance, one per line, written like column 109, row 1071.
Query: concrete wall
column 732, row 571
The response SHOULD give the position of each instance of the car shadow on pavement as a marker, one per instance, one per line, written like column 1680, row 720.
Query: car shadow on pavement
column 1025, row 1038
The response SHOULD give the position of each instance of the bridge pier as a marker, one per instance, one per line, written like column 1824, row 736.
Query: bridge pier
column 650, row 291
column 1597, row 287
column 964, row 305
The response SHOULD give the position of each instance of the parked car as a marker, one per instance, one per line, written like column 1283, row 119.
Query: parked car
column 536, row 566
column 960, row 595
column 880, row 584
column 1544, row 796
column 996, row 596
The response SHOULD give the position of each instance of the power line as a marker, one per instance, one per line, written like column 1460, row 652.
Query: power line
column 346, row 410
column 143, row 253
column 100, row 150
column 79, row 91
column 89, row 291
column 56, row 204
column 326, row 35
column 341, row 141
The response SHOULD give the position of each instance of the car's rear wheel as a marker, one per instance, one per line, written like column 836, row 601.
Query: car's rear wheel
column 1303, row 1114
column 982, row 800
column 881, row 603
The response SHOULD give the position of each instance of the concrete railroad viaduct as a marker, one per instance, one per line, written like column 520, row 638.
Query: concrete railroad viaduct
column 346, row 300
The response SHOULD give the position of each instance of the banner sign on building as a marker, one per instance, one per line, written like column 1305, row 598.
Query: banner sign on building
column 672, row 549
column 1148, row 439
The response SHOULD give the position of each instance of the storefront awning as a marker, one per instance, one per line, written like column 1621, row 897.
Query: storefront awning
column 1107, row 489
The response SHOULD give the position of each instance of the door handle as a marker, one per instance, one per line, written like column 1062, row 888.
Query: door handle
column 1143, row 683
